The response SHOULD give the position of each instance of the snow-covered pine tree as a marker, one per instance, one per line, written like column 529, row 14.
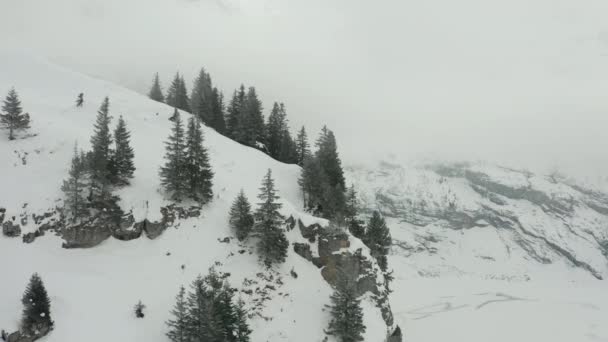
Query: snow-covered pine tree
column 378, row 239
column 242, row 330
column 12, row 116
column 123, row 154
column 355, row 226
column 201, row 100
column 346, row 312
column 156, row 92
column 273, row 244
column 217, row 120
column 74, row 187
column 178, row 326
column 241, row 219
column 100, row 154
column 172, row 174
column 177, row 94
column 36, row 308
column 302, row 146
column 198, row 174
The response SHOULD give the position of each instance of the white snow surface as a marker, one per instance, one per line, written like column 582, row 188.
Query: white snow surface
column 478, row 283
column 93, row 291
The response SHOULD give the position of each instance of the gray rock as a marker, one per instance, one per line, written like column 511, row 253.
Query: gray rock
column 309, row 232
column 11, row 229
column 86, row 235
column 152, row 229
column 303, row 250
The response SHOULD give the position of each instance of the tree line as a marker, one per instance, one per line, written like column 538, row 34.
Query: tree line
column 240, row 117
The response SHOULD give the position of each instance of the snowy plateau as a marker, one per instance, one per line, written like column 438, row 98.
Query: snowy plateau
column 480, row 252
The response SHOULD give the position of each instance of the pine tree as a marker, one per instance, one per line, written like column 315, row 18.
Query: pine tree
column 328, row 157
column 100, row 155
column 378, row 239
column 178, row 326
column 217, row 120
column 275, row 129
column 36, row 308
column 123, row 154
column 234, row 117
column 197, row 172
column 204, row 321
column 313, row 183
column 347, row 315
column 226, row 312
column 201, row 100
column 177, row 94
column 173, row 172
column 273, row 244
column 156, row 92
column 302, row 146
column 241, row 219
column 253, row 119
column 12, row 116
column 288, row 152
column 241, row 331
column 74, row 187
column 355, row 225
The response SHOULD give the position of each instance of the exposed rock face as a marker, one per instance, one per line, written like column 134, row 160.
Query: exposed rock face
column 548, row 217
column 395, row 336
column 335, row 257
column 127, row 231
column 11, row 229
column 86, row 235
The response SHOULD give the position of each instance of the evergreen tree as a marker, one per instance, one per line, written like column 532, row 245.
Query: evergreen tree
column 173, row 173
column 273, row 244
column 302, row 146
column 347, row 316
column 241, row 331
column 36, row 308
column 100, row 155
column 226, row 312
column 156, row 92
column 123, row 155
column 204, row 320
column 12, row 116
column 177, row 94
column 178, row 326
column 355, row 226
column 241, row 219
column 378, row 239
column 217, row 120
column 235, row 116
column 328, row 157
column 197, row 172
column 74, row 187
column 201, row 100
column 313, row 183
column 275, row 128
column 288, row 152
column 252, row 119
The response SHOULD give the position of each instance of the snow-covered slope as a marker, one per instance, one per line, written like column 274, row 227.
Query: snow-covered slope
column 94, row 290
column 486, row 253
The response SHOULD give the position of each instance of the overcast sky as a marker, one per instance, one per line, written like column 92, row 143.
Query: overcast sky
column 521, row 82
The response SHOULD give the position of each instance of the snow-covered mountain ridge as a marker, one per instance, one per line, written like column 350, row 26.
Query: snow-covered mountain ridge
column 480, row 214
column 94, row 290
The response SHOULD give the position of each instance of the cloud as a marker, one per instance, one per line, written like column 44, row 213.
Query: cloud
column 518, row 82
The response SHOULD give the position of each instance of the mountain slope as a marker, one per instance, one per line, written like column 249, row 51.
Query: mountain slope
column 93, row 291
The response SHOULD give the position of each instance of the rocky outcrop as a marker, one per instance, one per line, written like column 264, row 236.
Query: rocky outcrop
column 127, row 230
column 11, row 229
column 335, row 256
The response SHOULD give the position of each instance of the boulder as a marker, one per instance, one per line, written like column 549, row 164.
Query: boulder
column 11, row 229
column 309, row 232
column 152, row 229
column 30, row 237
column 127, row 230
column 303, row 250
column 86, row 235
